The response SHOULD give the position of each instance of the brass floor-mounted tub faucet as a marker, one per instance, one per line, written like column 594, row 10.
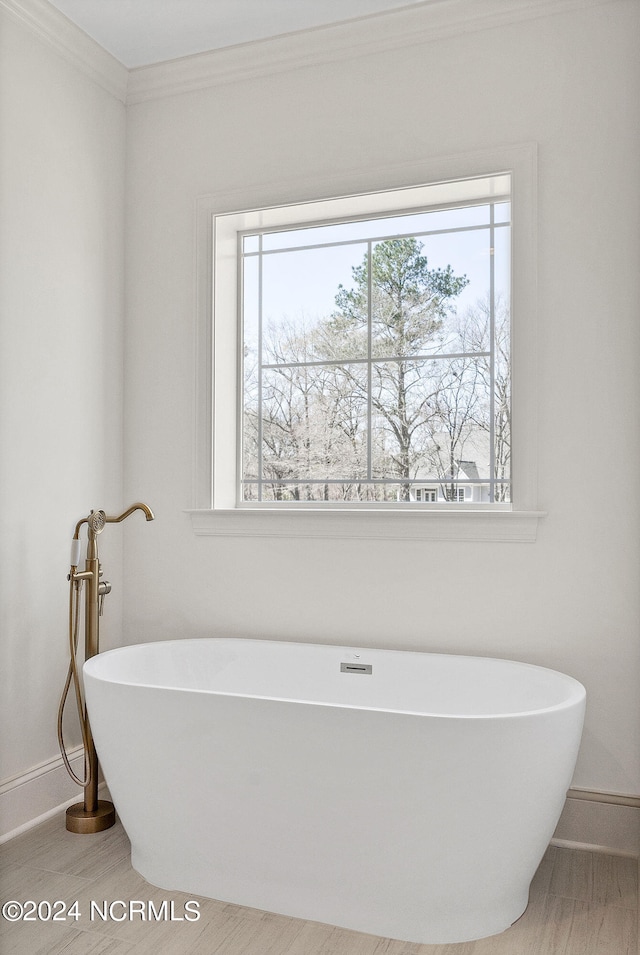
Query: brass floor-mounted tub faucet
column 92, row 814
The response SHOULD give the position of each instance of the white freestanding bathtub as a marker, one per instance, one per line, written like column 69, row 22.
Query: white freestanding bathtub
column 408, row 795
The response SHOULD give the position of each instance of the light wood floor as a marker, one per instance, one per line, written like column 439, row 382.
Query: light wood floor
column 581, row 903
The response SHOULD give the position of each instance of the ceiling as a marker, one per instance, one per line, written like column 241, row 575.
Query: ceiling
column 140, row 32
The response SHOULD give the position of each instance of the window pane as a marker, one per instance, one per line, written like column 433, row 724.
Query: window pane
column 502, row 262
column 502, row 212
column 249, row 492
column 442, row 219
column 299, row 292
column 250, row 366
column 503, row 493
column 314, row 423
column 431, row 421
column 502, row 363
column 502, row 422
column 251, row 308
column 376, row 492
column 316, row 235
column 403, row 399
column 420, row 288
column 250, row 418
column 467, row 255
column 250, row 243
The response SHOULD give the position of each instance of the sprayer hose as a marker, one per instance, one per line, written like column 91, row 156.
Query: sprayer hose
column 72, row 674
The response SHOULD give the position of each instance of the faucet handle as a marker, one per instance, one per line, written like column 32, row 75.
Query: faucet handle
column 104, row 587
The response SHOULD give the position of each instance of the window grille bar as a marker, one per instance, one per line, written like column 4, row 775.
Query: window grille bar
column 390, row 237
column 420, row 482
column 395, row 214
column 377, row 361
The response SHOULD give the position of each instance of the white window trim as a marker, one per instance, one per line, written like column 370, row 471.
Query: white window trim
column 215, row 459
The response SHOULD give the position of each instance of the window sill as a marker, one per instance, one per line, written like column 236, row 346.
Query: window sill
column 454, row 525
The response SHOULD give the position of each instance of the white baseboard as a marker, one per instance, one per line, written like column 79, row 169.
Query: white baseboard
column 601, row 822
column 29, row 798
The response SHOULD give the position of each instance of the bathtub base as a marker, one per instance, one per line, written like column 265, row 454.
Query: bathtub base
column 386, row 824
column 384, row 916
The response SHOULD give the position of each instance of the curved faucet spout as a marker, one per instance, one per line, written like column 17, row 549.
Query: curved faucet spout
column 148, row 513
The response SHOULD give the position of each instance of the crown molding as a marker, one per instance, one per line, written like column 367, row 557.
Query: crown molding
column 419, row 23
column 76, row 47
column 407, row 26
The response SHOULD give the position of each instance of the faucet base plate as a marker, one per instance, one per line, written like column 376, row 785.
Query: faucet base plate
column 85, row 821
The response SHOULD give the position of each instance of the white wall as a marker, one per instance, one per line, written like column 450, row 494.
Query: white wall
column 61, row 375
column 567, row 82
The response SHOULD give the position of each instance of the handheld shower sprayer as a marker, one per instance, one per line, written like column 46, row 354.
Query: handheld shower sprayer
column 91, row 815
column 97, row 521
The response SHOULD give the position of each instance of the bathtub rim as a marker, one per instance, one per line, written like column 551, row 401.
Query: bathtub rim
column 576, row 692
